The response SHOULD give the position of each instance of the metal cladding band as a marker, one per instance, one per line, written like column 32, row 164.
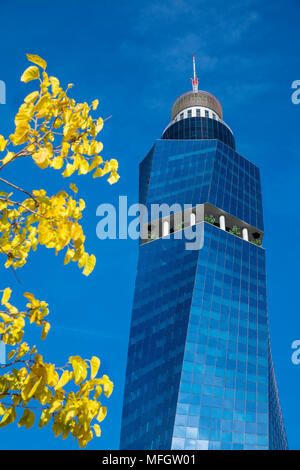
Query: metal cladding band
column 197, row 98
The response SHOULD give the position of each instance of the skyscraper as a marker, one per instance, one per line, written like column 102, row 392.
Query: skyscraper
column 199, row 370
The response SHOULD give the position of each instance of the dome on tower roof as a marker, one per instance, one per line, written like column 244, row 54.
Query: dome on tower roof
column 196, row 98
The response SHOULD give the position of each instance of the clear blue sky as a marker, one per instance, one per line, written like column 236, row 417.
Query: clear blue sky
column 136, row 58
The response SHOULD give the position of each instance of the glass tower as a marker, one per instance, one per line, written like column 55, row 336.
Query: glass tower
column 199, row 370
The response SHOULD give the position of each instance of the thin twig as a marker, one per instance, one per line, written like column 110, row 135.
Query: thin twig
column 19, row 189
column 18, row 155
column 16, row 276
column 27, row 208
column 49, row 219
column 15, row 362
column 20, row 405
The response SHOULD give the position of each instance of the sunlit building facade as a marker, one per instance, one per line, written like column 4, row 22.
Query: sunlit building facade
column 199, row 370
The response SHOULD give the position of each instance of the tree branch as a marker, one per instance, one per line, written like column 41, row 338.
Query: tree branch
column 19, row 189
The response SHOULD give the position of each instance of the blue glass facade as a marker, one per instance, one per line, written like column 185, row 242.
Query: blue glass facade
column 223, row 392
column 162, row 302
column 199, row 371
column 199, row 171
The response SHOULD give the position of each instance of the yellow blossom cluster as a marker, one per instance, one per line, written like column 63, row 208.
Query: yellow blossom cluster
column 54, row 132
column 49, row 221
column 69, row 395
column 59, row 133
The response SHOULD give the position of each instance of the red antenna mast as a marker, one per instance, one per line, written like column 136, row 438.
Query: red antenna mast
column 194, row 80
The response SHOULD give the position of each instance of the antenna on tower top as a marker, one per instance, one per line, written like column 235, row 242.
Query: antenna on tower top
column 194, row 80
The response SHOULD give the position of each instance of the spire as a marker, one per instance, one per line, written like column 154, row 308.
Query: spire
column 194, row 80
